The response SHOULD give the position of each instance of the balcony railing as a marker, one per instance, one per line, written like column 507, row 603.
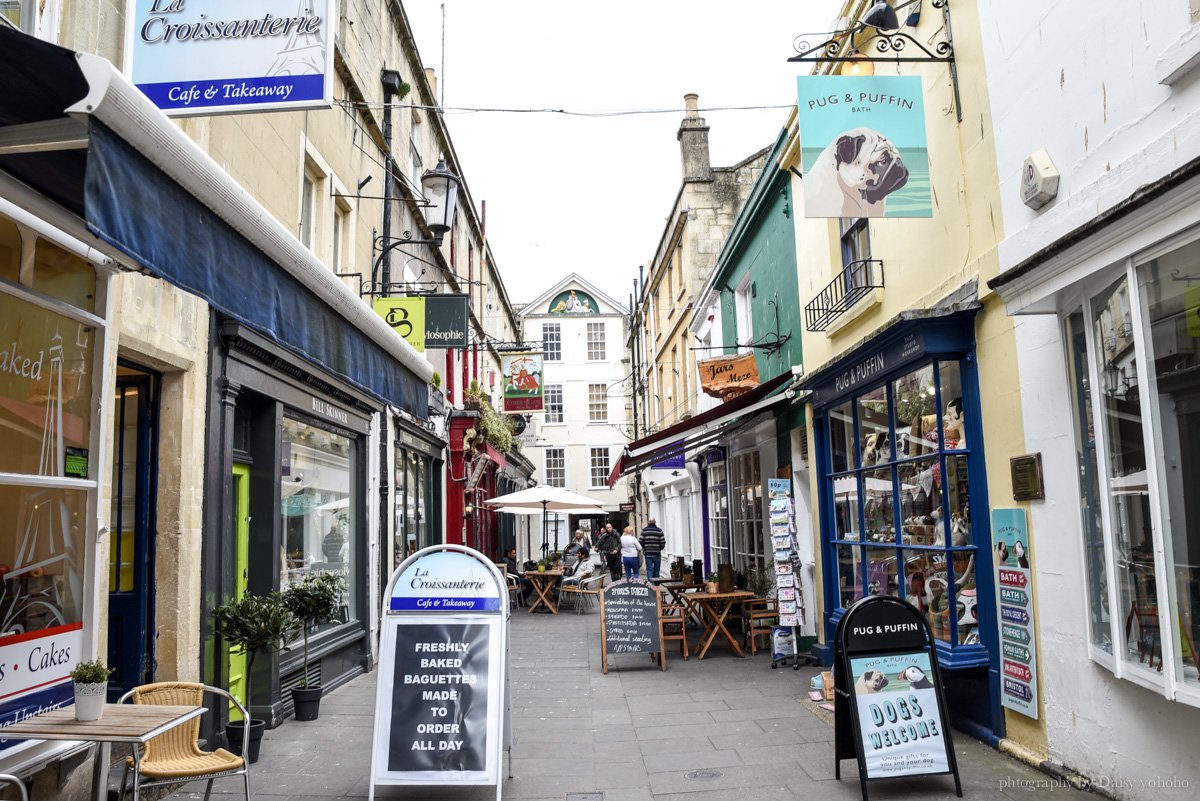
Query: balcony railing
column 856, row 280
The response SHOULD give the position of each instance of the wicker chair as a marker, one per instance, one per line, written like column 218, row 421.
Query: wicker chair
column 174, row 757
column 8, row 778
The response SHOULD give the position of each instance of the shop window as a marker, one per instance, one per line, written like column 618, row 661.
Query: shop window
column 318, row 516
column 42, row 551
column 552, row 342
column 556, row 467
column 1136, row 387
column 554, row 403
column 45, row 390
column 600, row 467
column 411, row 499
column 718, row 515
column 748, row 522
column 10, row 251
column 63, row 275
column 900, row 498
column 20, row 13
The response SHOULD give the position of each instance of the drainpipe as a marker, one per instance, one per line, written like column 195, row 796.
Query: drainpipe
column 392, row 86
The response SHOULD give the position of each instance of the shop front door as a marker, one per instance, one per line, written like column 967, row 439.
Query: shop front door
column 241, row 530
column 132, row 522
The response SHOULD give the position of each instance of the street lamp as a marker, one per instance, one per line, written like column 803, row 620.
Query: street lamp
column 439, row 187
column 881, row 16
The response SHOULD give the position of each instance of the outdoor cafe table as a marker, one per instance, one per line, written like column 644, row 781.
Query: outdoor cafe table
column 543, row 584
column 120, row 723
column 712, row 608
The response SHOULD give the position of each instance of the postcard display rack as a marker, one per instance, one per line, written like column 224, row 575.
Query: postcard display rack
column 788, row 594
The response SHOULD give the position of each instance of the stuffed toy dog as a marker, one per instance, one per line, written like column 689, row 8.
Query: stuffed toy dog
column 876, row 449
column 853, row 176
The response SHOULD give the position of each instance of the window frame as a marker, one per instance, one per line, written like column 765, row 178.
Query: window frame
column 593, row 450
column 552, row 354
column 854, row 233
column 596, row 407
column 547, row 455
column 552, row 392
column 597, row 348
column 1169, row 681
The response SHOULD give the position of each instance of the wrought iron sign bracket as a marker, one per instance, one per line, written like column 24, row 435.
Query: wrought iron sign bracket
column 839, row 47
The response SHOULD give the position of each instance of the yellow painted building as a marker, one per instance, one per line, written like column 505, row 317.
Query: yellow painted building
column 914, row 402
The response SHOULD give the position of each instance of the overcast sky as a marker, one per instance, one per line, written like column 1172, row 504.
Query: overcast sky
column 591, row 194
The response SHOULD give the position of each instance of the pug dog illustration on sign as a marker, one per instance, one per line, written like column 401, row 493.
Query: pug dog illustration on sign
column 863, row 148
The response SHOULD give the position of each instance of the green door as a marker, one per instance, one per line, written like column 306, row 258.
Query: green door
column 241, row 529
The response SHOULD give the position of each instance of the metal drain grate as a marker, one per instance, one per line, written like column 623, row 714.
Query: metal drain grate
column 705, row 775
column 585, row 796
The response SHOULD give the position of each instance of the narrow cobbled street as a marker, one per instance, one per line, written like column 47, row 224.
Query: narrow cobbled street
column 721, row 729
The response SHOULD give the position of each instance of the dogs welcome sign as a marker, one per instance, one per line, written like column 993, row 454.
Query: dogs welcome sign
column 863, row 147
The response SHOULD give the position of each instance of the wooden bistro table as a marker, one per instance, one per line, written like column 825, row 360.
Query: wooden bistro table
column 543, row 584
column 120, row 723
column 712, row 609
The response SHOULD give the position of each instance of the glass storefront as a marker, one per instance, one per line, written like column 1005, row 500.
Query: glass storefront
column 718, row 514
column 749, row 549
column 1135, row 378
column 317, row 516
column 48, row 468
column 412, row 504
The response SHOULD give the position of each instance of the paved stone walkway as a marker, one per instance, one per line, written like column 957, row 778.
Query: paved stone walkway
column 634, row 735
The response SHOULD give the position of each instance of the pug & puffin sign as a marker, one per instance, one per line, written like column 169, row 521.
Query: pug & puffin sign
column 889, row 712
column 441, row 709
column 862, row 146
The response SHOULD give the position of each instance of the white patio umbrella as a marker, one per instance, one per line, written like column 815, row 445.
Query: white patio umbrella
column 548, row 499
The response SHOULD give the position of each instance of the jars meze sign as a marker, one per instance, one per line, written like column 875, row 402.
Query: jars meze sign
column 889, row 712
column 440, row 709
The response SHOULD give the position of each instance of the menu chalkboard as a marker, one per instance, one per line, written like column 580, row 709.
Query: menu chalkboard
column 439, row 704
column 630, row 620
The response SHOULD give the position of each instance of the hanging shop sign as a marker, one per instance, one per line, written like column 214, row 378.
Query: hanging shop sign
column 631, row 621
column 1014, row 588
column 224, row 56
column 863, row 146
column 521, row 375
column 445, row 321
column 889, row 709
column 726, row 377
column 406, row 316
column 441, row 700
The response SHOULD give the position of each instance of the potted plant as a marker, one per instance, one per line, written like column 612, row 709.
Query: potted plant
column 91, row 689
column 314, row 601
column 760, row 580
column 712, row 581
column 541, row 565
column 256, row 623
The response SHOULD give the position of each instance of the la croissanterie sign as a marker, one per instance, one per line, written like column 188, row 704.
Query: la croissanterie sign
column 218, row 56
column 441, row 710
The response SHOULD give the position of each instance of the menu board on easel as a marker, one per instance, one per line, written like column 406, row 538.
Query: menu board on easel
column 631, row 620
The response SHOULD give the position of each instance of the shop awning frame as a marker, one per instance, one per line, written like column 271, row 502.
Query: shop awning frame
column 131, row 161
column 701, row 430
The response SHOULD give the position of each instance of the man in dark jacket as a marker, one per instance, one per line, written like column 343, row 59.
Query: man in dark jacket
column 653, row 544
column 609, row 547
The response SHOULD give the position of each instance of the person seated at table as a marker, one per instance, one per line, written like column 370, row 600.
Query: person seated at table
column 581, row 570
column 578, row 549
column 514, row 572
column 630, row 548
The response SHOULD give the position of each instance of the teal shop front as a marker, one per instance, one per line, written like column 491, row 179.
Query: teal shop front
column 902, row 496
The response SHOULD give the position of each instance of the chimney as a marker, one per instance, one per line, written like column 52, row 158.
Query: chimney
column 693, row 142
column 431, row 78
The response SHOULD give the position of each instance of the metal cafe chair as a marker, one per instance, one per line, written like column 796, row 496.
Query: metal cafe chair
column 175, row 757
column 8, row 778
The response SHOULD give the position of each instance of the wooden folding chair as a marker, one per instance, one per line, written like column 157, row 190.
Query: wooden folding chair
column 759, row 616
column 674, row 625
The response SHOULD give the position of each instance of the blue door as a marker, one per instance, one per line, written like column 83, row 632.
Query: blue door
column 131, row 530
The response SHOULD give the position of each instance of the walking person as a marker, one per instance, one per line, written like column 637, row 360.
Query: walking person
column 629, row 552
column 654, row 542
column 609, row 547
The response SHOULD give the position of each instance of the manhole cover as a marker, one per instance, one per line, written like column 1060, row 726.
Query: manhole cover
column 706, row 775
column 585, row 796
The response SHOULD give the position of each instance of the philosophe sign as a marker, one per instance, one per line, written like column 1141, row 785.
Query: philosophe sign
column 407, row 316
column 193, row 57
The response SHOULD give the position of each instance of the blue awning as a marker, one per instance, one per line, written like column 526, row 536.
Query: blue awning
column 129, row 202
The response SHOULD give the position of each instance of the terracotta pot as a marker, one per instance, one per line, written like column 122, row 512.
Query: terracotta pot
column 713, row 587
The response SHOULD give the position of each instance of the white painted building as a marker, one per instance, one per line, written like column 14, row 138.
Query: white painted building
column 1104, row 282
column 587, row 420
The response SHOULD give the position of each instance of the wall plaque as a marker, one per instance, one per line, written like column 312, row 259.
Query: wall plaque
column 1027, row 483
